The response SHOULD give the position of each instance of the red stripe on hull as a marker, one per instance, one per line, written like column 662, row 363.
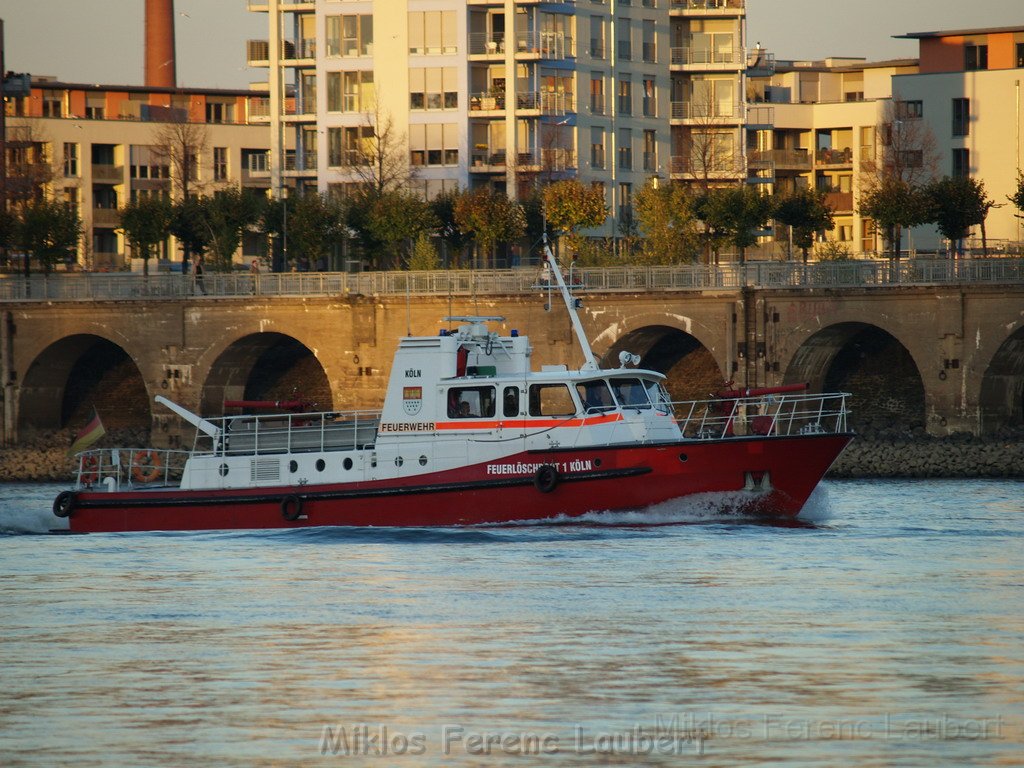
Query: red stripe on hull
column 778, row 474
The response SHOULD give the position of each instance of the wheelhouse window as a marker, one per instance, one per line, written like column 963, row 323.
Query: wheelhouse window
column 595, row 396
column 630, row 393
column 551, row 400
column 510, row 402
column 470, row 402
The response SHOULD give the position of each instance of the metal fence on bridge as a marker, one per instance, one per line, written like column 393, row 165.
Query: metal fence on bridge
column 632, row 279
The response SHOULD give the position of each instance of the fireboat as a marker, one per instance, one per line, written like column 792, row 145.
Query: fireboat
column 470, row 433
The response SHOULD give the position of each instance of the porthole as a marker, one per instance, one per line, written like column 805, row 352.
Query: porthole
column 399, row 461
column 683, row 457
column 223, row 470
column 320, row 465
column 423, row 461
column 293, row 466
column 347, row 464
column 597, row 462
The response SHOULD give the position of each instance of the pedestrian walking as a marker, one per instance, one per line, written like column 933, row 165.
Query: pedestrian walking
column 197, row 270
column 254, row 273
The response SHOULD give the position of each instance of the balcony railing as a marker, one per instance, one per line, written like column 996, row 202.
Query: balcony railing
column 707, row 57
column 486, row 44
column 110, row 173
column 793, row 159
column 292, row 158
column 686, row 110
column 709, row 6
column 259, row 50
column 548, row 45
column 106, row 217
column 860, row 274
column 834, row 157
column 839, row 201
column 726, row 167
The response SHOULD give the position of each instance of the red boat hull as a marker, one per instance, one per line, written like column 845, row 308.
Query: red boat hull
column 770, row 476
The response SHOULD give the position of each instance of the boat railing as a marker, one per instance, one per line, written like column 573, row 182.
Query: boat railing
column 246, row 435
column 127, row 468
column 765, row 415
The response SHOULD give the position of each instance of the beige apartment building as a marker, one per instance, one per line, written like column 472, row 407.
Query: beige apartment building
column 98, row 146
column 507, row 93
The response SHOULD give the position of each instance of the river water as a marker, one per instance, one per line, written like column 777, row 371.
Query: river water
column 887, row 632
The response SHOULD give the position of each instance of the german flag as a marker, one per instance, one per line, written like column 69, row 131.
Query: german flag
column 89, row 434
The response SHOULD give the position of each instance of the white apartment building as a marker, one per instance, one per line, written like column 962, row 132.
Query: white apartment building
column 506, row 93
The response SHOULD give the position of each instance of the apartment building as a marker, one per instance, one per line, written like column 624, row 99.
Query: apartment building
column 506, row 93
column 96, row 146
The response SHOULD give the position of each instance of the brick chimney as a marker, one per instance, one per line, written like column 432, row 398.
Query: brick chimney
column 161, row 67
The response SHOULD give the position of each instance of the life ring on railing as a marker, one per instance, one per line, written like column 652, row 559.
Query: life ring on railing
column 546, row 479
column 291, row 508
column 64, row 504
column 89, row 469
column 147, row 466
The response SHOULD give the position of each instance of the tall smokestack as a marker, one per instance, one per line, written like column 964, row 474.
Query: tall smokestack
column 161, row 67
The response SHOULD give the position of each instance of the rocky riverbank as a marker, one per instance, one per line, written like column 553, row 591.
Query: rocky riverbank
column 877, row 455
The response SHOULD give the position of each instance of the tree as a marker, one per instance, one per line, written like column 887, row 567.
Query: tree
column 394, row 217
column 452, row 238
column 424, row 254
column 227, row 215
column 735, row 214
column 807, row 213
column 1017, row 198
column 667, row 220
column 29, row 169
column 569, row 206
column 894, row 204
column 956, row 204
column 49, row 230
column 491, row 218
column 188, row 224
column 146, row 222
column 315, row 223
column 179, row 145
column 380, row 159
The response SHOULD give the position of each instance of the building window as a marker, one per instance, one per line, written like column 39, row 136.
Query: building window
column 220, row 163
column 349, row 146
column 975, row 57
column 625, row 201
column 71, row 160
column 911, row 158
column 94, row 112
column 52, row 107
column 433, row 88
column 350, row 35
column 625, row 95
column 218, row 113
column 596, row 93
column 649, row 44
column 350, row 91
column 434, row 144
column 71, row 198
column 650, row 98
column 255, row 161
column 148, row 163
column 961, row 117
column 1020, row 55
column 432, row 32
column 597, row 37
column 909, row 110
column 961, row 163
column 597, row 147
column 625, row 41
column 625, row 138
column 650, row 151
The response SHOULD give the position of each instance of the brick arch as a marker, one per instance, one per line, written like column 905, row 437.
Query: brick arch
column 1001, row 399
column 668, row 344
column 265, row 366
column 75, row 374
column 880, row 372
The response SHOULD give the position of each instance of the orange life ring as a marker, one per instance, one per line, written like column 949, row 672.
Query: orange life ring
column 147, row 466
column 89, row 469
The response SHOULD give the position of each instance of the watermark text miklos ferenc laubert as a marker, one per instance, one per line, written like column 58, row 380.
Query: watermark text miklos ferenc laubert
column 677, row 735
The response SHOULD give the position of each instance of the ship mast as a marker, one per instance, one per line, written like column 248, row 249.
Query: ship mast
column 571, row 306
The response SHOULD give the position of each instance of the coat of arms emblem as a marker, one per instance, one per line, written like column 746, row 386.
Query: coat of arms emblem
column 412, row 399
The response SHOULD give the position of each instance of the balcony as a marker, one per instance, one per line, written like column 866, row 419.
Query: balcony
column 257, row 52
column 781, row 159
column 113, row 174
column 484, row 44
column 718, row 112
column 841, row 202
column 708, row 58
column 725, row 167
column 836, row 158
column 288, row 6
column 707, row 7
column 292, row 162
column 295, row 110
column 545, row 45
column 106, row 217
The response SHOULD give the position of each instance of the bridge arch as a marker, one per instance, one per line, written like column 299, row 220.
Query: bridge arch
column 887, row 391
column 691, row 369
column 77, row 373
column 1001, row 400
column 265, row 366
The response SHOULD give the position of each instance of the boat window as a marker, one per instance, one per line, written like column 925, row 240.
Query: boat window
column 630, row 393
column 657, row 394
column 470, row 402
column 551, row 400
column 595, row 396
column 511, row 401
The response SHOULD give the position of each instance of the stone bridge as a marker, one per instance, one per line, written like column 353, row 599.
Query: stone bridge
column 945, row 359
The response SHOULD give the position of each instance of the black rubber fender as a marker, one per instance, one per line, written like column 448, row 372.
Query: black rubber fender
column 546, row 479
column 64, row 504
column 291, row 508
